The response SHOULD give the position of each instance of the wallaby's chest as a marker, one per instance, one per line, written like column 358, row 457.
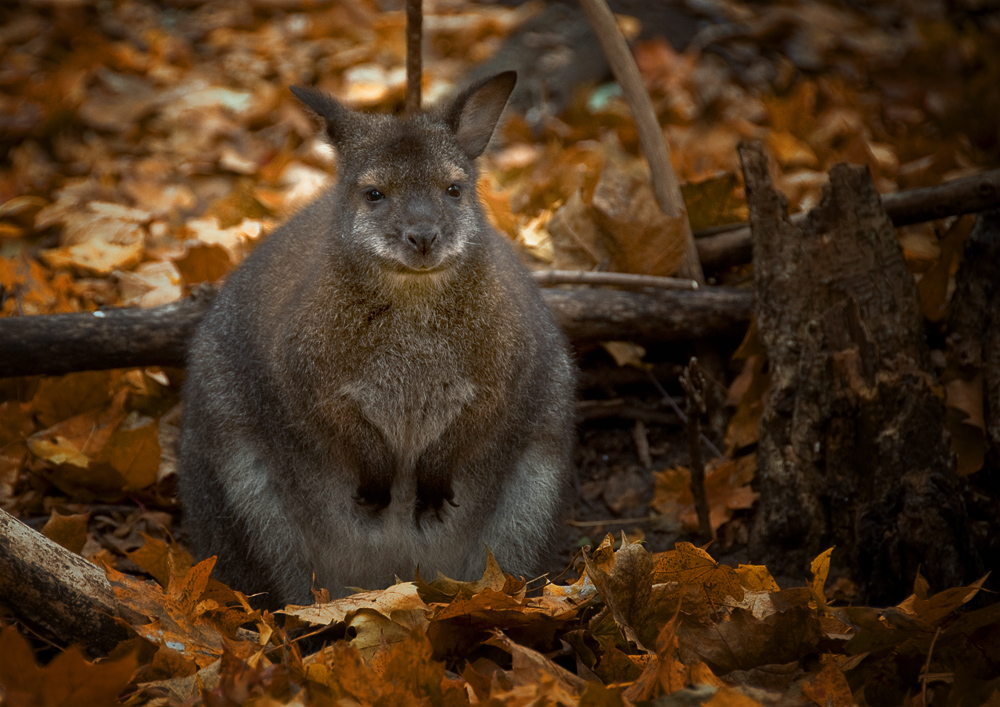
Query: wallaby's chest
column 412, row 387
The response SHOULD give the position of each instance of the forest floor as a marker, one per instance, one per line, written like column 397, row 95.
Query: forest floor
column 148, row 146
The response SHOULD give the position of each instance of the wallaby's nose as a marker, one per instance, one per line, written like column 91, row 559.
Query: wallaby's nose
column 422, row 239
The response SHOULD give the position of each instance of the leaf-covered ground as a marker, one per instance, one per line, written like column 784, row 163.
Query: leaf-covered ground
column 149, row 146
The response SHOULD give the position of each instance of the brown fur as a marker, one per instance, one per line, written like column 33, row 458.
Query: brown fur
column 380, row 384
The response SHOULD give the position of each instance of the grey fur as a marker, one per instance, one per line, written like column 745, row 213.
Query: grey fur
column 379, row 385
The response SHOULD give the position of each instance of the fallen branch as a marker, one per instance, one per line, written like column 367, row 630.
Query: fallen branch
column 616, row 279
column 56, row 592
column 112, row 338
column 602, row 315
column 128, row 338
column 654, row 146
column 960, row 196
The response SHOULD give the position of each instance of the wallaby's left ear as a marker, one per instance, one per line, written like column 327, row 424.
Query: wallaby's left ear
column 474, row 114
column 336, row 116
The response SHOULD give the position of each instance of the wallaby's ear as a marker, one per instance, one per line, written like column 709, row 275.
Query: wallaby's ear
column 326, row 107
column 475, row 112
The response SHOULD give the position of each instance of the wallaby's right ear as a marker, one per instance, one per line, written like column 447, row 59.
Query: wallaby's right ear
column 326, row 107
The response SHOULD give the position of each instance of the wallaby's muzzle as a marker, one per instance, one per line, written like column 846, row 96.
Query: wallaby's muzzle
column 422, row 239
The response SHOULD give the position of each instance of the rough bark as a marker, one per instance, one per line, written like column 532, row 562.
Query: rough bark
column 589, row 315
column 853, row 451
column 56, row 592
column 114, row 338
column 158, row 336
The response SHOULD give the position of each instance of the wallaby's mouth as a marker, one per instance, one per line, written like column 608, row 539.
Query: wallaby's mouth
column 420, row 269
column 414, row 264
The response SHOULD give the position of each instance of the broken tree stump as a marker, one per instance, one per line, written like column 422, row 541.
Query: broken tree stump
column 853, row 449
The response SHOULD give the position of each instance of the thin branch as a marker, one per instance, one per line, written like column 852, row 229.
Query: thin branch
column 927, row 667
column 693, row 383
column 610, row 521
column 618, row 279
column 414, row 68
column 665, row 185
column 669, row 400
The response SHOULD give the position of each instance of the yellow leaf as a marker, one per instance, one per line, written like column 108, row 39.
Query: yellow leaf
column 687, row 564
column 820, row 568
column 402, row 597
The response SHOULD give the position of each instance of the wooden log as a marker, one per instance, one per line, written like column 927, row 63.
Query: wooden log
column 56, row 592
column 853, row 450
column 123, row 338
column 589, row 315
column 113, row 338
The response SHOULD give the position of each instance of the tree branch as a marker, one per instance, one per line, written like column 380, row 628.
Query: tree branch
column 654, row 146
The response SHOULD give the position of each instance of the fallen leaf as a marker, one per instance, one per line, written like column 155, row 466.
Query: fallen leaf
column 687, row 564
column 69, row 531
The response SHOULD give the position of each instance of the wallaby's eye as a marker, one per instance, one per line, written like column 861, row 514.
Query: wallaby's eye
column 454, row 191
column 374, row 195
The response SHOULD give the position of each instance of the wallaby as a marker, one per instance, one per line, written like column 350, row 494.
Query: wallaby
column 379, row 385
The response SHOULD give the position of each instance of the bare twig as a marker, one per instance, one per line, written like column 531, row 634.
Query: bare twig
column 610, row 521
column 927, row 667
column 642, row 445
column 693, row 383
column 665, row 185
column 669, row 400
column 600, row 409
column 414, row 69
column 617, row 279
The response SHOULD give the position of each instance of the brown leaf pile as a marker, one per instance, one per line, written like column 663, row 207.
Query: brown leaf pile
column 635, row 627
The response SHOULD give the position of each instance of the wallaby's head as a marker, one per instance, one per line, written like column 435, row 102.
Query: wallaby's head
column 406, row 187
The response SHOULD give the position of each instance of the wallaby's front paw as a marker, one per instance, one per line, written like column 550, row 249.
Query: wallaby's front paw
column 431, row 497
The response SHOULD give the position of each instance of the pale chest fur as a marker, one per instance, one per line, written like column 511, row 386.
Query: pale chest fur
column 412, row 388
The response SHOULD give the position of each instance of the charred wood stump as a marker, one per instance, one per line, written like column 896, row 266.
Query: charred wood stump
column 853, row 449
